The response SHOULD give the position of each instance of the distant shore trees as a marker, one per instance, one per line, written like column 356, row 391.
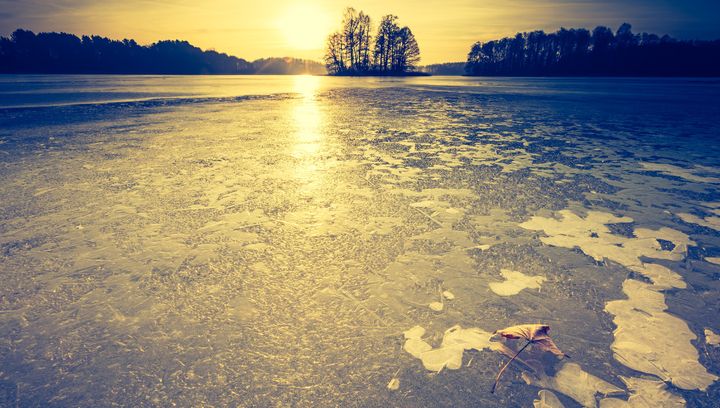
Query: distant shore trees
column 352, row 51
column 25, row 52
column 580, row 52
column 446, row 68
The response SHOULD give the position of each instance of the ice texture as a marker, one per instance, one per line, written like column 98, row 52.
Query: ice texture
column 227, row 241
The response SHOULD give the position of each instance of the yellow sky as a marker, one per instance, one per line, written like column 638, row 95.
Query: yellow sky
column 445, row 29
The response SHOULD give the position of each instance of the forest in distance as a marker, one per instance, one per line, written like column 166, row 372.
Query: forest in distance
column 25, row 52
column 393, row 50
column 580, row 52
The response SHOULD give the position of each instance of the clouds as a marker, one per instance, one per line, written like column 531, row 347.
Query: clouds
column 445, row 28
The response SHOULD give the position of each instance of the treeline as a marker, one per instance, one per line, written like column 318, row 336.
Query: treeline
column 579, row 52
column 354, row 51
column 61, row 53
column 287, row 66
column 446, row 68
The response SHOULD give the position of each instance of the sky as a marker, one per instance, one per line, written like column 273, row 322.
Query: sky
column 445, row 29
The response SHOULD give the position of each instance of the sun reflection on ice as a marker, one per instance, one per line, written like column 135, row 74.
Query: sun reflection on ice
column 308, row 122
column 306, row 85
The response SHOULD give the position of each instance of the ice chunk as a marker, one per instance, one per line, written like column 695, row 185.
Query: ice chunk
column 650, row 340
column 546, row 399
column 515, row 282
column 680, row 172
column 645, row 393
column 574, row 382
column 450, row 353
column 711, row 337
column 708, row 222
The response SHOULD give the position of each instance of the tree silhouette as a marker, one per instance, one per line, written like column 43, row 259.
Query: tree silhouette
column 335, row 54
column 349, row 52
column 447, row 68
column 579, row 52
column 406, row 54
column 385, row 43
column 61, row 53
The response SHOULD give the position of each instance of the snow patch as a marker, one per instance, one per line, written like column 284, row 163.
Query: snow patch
column 515, row 282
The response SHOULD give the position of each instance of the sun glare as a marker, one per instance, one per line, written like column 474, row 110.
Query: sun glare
column 305, row 26
column 308, row 120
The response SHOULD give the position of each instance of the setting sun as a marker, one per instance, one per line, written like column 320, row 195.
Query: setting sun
column 305, row 26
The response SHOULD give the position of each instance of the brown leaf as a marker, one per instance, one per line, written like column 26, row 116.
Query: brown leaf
column 537, row 334
column 508, row 352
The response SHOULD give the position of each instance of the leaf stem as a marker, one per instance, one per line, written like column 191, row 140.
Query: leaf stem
column 502, row 370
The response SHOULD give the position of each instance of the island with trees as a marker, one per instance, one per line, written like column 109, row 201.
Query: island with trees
column 352, row 51
column 580, row 52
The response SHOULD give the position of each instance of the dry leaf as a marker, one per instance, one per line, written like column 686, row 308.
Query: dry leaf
column 537, row 334
column 436, row 306
column 529, row 365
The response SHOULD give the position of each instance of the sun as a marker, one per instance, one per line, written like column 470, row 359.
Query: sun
column 305, row 26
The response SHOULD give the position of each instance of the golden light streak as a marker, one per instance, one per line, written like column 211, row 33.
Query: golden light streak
column 308, row 121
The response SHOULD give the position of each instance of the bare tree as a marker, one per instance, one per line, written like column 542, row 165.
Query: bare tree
column 351, row 34
column 335, row 54
column 406, row 54
column 363, row 42
column 395, row 50
column 385, row 42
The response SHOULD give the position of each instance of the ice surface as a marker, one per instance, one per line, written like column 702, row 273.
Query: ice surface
column 224, row 241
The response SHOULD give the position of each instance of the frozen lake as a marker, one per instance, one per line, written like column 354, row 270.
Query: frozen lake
column 270, row 241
